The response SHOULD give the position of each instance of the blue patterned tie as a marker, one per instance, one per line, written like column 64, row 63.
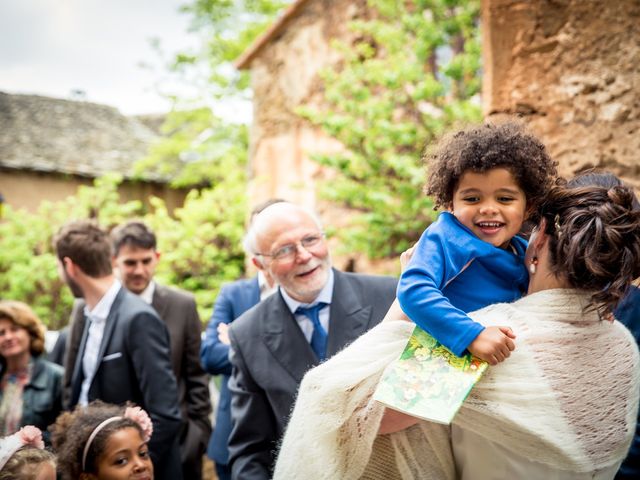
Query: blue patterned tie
column 319, row 337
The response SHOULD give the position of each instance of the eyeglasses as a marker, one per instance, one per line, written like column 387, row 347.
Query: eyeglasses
column 289, row 252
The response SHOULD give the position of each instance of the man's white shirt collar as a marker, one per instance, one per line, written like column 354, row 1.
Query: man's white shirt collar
column 97, row 316
column 147, row 293
column 101, row 311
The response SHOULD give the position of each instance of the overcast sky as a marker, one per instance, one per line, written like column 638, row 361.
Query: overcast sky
column 52, row 47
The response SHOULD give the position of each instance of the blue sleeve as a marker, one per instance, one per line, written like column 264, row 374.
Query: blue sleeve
column 440, row 256
column 214, row 355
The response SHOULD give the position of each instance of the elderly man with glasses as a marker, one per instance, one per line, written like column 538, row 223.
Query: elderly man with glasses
column 315, row 313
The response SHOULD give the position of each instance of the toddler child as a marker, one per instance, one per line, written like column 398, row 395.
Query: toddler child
column 23, row 457
column 488, row 178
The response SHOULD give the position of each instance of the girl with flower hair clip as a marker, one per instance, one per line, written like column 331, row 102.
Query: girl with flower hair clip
column 103, row 442
column 23, row 457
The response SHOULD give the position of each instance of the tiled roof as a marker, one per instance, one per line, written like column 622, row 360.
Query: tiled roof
column 80, row 138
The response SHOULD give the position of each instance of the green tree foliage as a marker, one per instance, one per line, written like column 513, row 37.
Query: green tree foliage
column 198, row 147
column 412, row 74
column 28, row 265
column 199, row 150
column 200, row 244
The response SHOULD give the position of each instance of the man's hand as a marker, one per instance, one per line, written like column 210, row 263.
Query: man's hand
column 223, row 333
column 493, row 345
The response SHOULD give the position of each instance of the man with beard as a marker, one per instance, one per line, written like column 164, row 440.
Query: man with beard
column 122, row 352
column 315, row 313
column 135, row 258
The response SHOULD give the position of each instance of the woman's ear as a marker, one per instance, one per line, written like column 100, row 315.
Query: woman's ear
column 538, row 237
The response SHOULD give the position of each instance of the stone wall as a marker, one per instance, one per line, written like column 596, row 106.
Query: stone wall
column 23, row 189
column 284, row 76
column 571, row 69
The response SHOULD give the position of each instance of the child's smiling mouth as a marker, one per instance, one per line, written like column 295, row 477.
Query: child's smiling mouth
column 490, row 228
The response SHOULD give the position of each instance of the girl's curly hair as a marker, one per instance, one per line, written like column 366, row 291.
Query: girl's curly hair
column 482, row 148
column 71, row 431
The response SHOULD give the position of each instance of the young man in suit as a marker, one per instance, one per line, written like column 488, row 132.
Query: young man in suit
column 315, row 313
column 135, row 259
column 119, row 348
column 233, row 300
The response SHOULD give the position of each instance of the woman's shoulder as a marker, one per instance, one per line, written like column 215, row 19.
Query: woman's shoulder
column 495, row 314
column 47, row 368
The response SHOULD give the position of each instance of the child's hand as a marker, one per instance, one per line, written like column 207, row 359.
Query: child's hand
column 493, row 345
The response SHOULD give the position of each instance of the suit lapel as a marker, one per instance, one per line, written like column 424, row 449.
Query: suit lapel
column 159, row 301
column 285, row 340
column 109, row 326
column 348, row 317
column 77, row 377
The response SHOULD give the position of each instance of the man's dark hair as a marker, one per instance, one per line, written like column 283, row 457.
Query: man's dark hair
column 133, row 233
column 85, row 244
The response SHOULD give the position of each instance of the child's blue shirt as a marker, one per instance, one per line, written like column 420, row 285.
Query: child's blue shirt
column 453, row 272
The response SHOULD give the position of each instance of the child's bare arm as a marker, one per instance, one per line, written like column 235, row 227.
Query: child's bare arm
column 493, row 344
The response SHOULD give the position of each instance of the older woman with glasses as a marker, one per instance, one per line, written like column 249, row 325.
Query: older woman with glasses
column 30, row 387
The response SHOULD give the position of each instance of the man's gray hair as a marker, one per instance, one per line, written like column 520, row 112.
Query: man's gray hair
column 250, row 240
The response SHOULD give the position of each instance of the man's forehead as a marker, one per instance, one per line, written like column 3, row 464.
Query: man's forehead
column 288, row 229
column 132, row 251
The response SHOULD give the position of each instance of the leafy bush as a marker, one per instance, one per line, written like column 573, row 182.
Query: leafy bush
column 200, row 244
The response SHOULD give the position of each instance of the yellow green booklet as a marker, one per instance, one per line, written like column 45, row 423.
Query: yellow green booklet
column 428, row 381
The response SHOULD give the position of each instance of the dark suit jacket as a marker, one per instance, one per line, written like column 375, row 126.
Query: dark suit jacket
column 629, row 313
column 133, row 365
column 270, row 355
column 178, row 310
column 233, row 300
column 56, row 355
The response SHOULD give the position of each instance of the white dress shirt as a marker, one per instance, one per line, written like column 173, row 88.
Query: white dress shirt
column 147, row 293
column 305, row 323
column 97, row 319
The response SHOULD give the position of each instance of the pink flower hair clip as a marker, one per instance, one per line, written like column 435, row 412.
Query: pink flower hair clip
column 26, row 436
column 141, row 417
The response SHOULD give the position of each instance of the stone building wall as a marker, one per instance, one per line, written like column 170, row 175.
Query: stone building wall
column 23, row 189
column 571, row 69
column 284, row 76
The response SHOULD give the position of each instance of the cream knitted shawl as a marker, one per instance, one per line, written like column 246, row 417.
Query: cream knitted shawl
column 567, row 397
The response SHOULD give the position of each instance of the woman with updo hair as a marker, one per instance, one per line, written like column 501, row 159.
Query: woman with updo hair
column 101, row 441
column 30, row 386
column 563, row 406
column 628, row 311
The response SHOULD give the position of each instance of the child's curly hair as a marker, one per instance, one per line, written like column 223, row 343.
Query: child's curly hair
column 482, row 148
column 26, row 463
column 71, row 431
